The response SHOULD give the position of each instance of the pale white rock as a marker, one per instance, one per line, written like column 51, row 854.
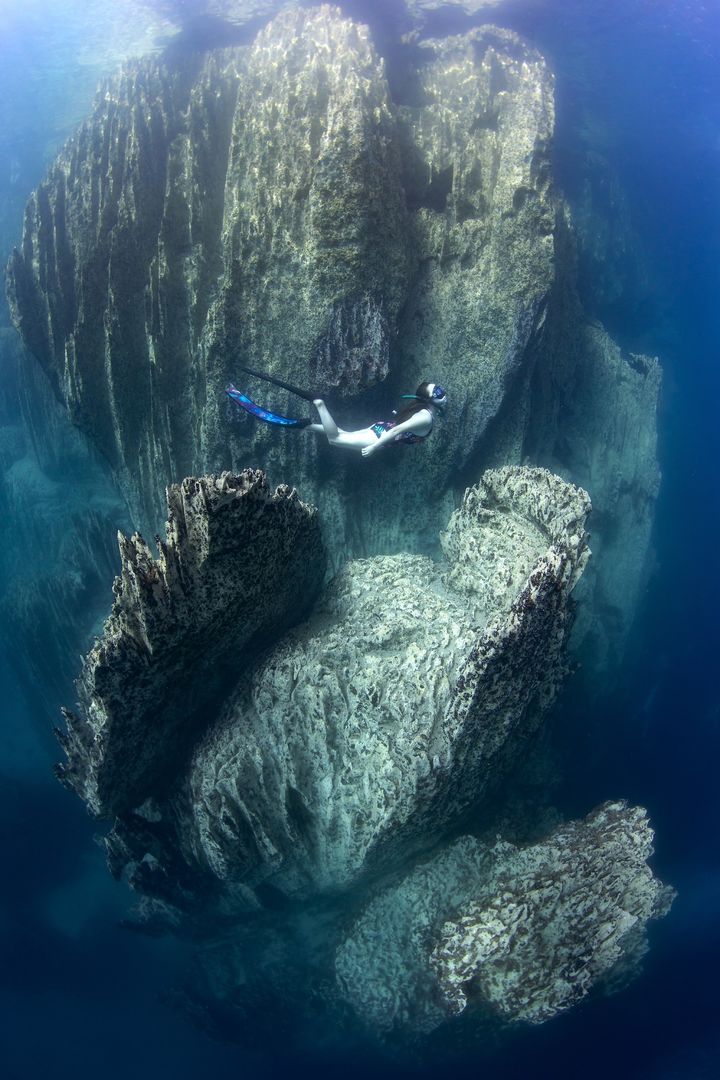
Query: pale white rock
column 371, row 727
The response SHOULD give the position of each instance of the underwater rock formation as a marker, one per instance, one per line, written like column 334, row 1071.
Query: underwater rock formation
column 58, row 523
column 593, row 419
column 257, row 808
column 363, row 733
column 239, row 564
column 277, row 206
column 526, row 932
column 200, row 205
column 391, row 711
column 282, row 178
column 410, row 235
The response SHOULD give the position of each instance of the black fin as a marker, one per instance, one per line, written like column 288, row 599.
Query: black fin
column 304, row 394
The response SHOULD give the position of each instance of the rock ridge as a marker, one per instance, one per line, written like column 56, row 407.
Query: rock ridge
column 239, row 563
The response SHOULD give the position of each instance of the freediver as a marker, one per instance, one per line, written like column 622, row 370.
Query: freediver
column 412, row 424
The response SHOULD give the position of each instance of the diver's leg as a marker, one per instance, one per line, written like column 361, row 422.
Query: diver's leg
column 328, row 424
column 353, row 440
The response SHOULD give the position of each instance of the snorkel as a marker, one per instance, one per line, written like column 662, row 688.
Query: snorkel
column 430, row 394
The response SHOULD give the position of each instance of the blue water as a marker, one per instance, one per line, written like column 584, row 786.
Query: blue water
column 639, row 82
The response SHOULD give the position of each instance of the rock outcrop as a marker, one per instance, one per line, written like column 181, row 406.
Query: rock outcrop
column 526, row 932
column 59, row 515
column 281, row 178
column 277, row 758
column 256, row 808
column 240, row 563
column 376, row 724
column 601, row 432
column 409, row 238
column 410, row 235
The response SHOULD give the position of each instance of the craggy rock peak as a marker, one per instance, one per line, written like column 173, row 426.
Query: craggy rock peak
column 239, row 564
column 526, row 932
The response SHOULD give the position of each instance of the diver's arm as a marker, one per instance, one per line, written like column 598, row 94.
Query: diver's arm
column 419, row 423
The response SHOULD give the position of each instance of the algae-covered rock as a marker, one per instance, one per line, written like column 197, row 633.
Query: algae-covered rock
column 526, row 932
column 239, row 564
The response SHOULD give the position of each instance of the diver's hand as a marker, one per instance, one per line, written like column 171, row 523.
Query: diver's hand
column 367, row 450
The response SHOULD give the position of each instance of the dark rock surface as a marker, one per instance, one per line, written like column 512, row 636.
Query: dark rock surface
column 239, row 564
column 593, row 419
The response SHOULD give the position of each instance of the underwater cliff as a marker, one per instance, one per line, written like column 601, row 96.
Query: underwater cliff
column 300, row 712
column 277, row 206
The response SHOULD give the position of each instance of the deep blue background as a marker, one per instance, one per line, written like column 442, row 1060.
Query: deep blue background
column 78, row 995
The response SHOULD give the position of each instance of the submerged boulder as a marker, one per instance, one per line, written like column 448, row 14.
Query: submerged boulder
column 523, row 931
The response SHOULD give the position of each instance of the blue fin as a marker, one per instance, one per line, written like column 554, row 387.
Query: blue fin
column 257, row 411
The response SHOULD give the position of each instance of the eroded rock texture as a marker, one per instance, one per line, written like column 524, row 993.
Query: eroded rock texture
column 395, row 706
column 364, row 732
column 275, row 205
column 239, row 563
column 256, row 812
column 526, row 932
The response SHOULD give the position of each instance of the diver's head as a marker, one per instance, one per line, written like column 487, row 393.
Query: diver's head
column 432, row 392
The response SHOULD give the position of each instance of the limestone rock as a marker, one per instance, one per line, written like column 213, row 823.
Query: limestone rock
column 374, row 725
column 525, row 931
column 239, row 564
